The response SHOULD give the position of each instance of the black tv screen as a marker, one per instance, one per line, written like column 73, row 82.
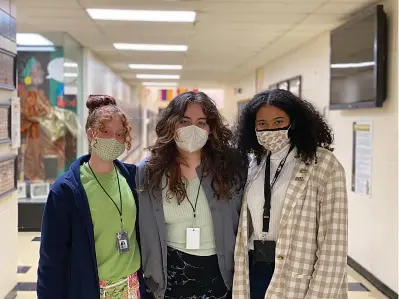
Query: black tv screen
column 358, row 61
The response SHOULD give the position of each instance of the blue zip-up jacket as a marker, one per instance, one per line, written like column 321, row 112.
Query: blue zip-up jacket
column 68, row 265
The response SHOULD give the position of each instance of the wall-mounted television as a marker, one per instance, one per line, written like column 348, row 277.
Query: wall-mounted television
column 358, row 61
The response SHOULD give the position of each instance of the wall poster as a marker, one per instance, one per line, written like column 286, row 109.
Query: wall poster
column 15, row 122
column 7, row 70
column 5, row 125
column 8, row 174
column 362, row 158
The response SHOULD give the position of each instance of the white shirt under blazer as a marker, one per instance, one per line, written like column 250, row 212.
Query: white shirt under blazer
column 256, row 199
column 312, row 242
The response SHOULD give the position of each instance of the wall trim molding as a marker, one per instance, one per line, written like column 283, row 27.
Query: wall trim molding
column 378, row 284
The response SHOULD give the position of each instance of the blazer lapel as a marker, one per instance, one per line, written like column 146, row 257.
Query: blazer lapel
column 296, row 189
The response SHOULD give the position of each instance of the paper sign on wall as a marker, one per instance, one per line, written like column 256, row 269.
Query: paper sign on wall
column 15, row 122
column 362, row 158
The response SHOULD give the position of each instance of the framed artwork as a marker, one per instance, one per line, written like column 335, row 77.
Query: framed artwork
column 283, row 85
column 39, row 190
column 8, row 174
column 295, row 85
column 5, row 122
column 8, row 72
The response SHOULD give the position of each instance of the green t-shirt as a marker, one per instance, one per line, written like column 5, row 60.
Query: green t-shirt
column 106, row 221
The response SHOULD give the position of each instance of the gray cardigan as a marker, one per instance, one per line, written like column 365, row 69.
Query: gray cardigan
column 153, row 234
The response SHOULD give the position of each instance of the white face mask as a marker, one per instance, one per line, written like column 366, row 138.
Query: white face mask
column 273, row 140
column 191, row 138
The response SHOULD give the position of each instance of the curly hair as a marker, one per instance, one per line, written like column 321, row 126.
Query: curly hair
column 218, row 158
column 308, row 129
column 101, row 109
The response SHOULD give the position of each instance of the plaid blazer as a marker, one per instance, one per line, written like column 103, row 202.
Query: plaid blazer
column 311, row 250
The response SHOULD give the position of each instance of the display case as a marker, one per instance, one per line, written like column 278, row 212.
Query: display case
column 51, row 104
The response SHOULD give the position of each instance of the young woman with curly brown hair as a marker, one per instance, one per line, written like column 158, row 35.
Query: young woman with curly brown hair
column 190, row 192
column 89, row 244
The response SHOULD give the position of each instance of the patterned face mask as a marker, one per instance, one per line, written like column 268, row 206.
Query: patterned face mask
column 273, row 140
column 108, row 149
column 191, row 138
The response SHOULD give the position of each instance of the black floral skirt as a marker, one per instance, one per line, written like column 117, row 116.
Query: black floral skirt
column 194, row 277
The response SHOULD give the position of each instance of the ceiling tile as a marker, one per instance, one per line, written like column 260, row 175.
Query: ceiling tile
column 229, row 39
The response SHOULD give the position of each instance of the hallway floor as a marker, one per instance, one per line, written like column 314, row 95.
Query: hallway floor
column 29, row 252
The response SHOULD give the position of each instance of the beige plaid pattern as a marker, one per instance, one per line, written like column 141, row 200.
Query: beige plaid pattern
column 311, row 251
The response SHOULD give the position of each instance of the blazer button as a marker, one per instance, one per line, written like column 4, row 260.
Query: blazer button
column 280, row 257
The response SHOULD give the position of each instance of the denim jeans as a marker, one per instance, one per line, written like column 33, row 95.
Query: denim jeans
column 260, row 275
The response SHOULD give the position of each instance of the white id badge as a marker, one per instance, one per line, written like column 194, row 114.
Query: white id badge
column 193, row 238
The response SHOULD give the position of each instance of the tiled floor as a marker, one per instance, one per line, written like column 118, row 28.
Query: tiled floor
column 28, row 258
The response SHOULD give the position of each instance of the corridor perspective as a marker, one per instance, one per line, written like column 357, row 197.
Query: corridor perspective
column 339, row 55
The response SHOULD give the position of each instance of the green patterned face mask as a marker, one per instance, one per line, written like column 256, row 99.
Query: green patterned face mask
column 108, row 149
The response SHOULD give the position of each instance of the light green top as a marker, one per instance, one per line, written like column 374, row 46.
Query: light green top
column 180, row 217
column 106, row 221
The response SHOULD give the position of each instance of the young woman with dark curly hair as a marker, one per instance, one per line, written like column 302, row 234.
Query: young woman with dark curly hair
column 292, row 236
column 190, row 193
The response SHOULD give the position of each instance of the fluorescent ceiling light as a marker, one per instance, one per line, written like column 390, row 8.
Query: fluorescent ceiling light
column 70, row 64
column 142, row 15
column 151, row 47
column 160, row 84
column 35, row 49
column 32, row 39
column 71, row 75
column 145, row 76
column 352, row 65
column 155, row 67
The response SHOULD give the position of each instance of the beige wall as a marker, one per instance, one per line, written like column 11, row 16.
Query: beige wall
column 373, row 222
column 8, row 204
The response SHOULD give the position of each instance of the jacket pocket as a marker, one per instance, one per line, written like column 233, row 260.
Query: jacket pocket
column 301, row 276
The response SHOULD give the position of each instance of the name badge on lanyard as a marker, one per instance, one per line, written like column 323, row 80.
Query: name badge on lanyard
column 193, row 234
column 122, row 237
column 122, row 242
column 193, row 238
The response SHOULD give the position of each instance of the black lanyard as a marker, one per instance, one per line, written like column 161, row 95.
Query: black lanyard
column 268, row 188
column 120, row 193
column 194, row 207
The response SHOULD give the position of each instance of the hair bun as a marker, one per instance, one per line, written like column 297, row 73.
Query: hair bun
column 96, row 101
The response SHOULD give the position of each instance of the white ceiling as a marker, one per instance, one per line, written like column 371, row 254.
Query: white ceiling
column 229, row 39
